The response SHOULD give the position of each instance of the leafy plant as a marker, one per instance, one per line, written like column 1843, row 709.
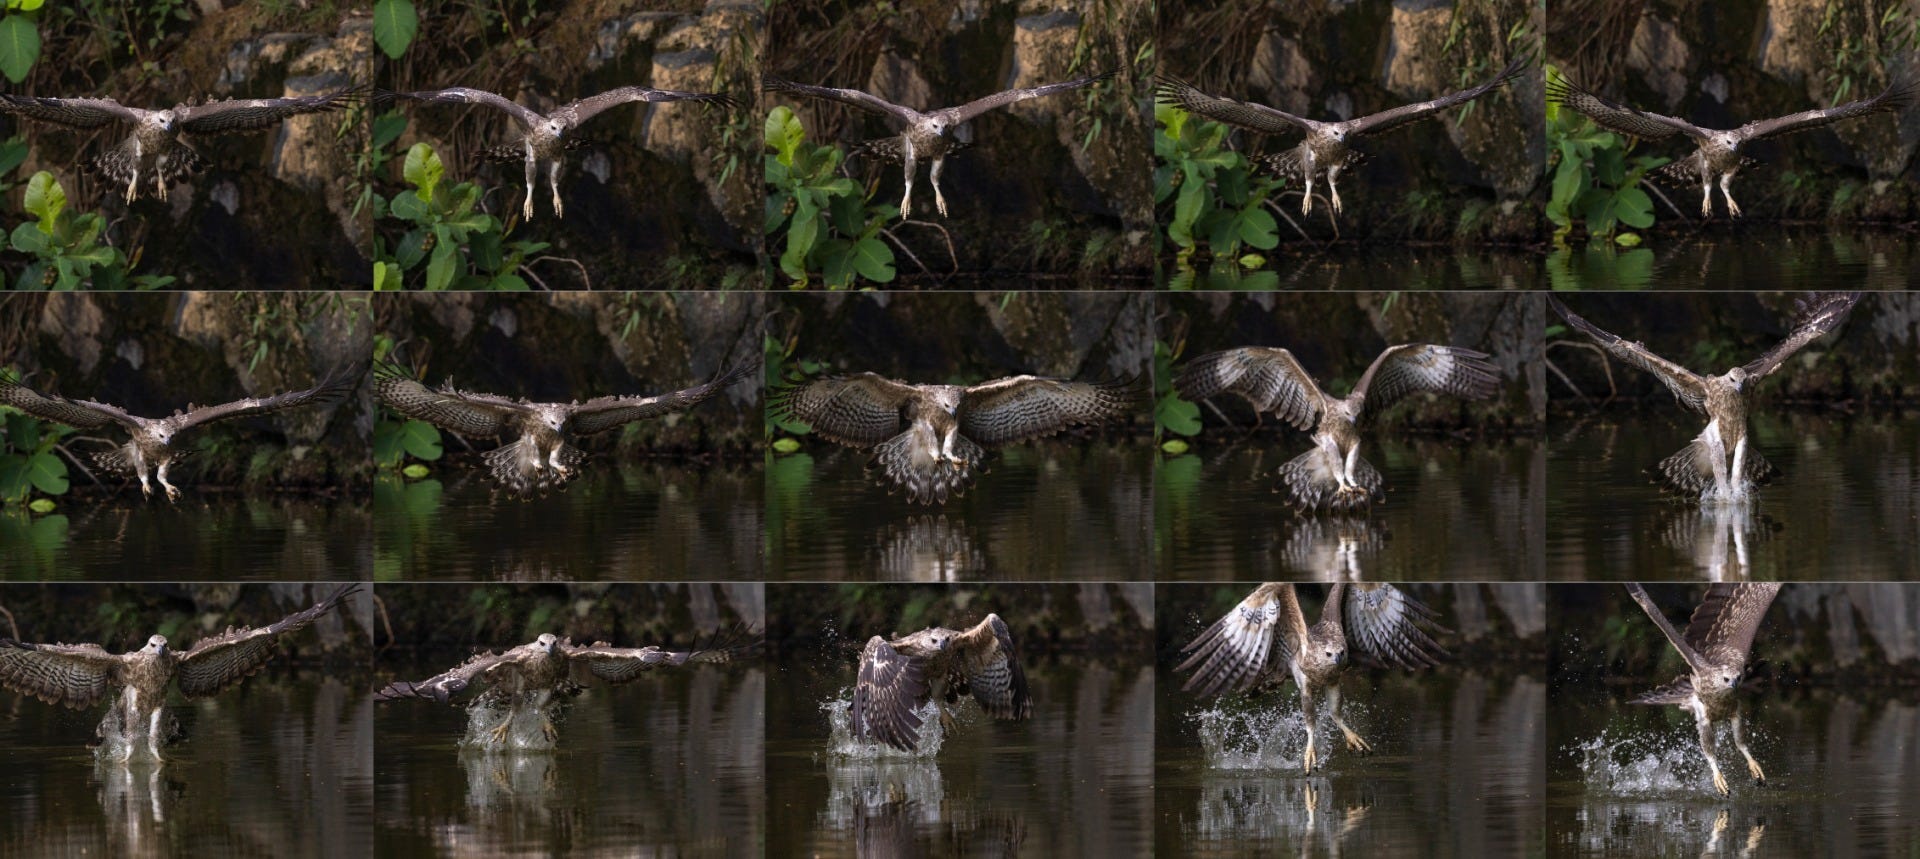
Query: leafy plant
column 830, row 230
column 1171, row 414
column 395, row 439
column 20, row 39
column 66, row 246
column 786, row 371
column 1596, row 182
column 462, row 248
column 28, row 461
column 395, row 24
column 1219, row 204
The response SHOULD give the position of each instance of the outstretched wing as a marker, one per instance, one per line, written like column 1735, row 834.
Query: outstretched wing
column 991, row 665
column 1386, row 625
column 1270, row 379
column 1387, row 120
column 580, row 111
column 464, row 95
column 1723, row 627
column 75, row 675
column 82, row 113
column 1695, row 661
column 621, row 664
column 1414, row 367
column 1617, row 117
column 1017, row 408
column 444, row 686
column 888, row 694
column 1893, row 98
column 1247, row 642
column 1252, row 117
column 860, row 410
column 1819, row 314
column 604, row 413
column 479, row 415
column 219, row 661
column 979, row 106
column 854, row 97
column 225, row 117
column 1687, row 387
column 331, row 389
column 79, row 414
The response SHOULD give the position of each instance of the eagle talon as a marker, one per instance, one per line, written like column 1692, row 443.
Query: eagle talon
column 1355, row 743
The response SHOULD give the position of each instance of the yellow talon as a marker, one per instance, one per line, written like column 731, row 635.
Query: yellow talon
column 1355, row 743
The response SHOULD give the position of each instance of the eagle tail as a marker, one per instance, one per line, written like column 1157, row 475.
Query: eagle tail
column 1312, row 479
column 1678, row 692
column 1286, row 165
column 1689, row 470
column 178, row 163
column 907, row 463
column 1681, row 173
column 520, row 468
column 505, row 153
column 119, row 460
column 885, row 149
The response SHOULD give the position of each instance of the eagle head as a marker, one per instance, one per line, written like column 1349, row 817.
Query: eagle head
column 1737, row 376
column 555, row 127
column 554, row 418
column 1338, row 655
column 937, row 124
column 548, row 641
column 156, row 645
column 162, row 118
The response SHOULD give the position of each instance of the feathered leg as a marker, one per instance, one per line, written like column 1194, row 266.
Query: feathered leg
column 1333, row 176
column 153, row 733
column 906, row 199
column 533, row 182
column 553, row 180
column 1307, row 712
column 1706, row 195
column 1705, row 725
column 1307, row 168
column 1726, row 181
column 939, row 199
column 1740, row 742
column 1737, row 474
column 160, row 474
column 1354, row 742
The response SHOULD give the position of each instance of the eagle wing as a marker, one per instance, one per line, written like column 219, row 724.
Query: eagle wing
column 1386, row 625
column 81, row 113
column 584, row 109
column 226, row 117
column 459, row 412
column 981, row 105
column 1723, row 626
column 990, row 664
column 1252, row 117
column 1246, row 643
column 1819, row 314
column 1388, row 120
column 1616, row 117
column 1690, row 389
column 1270, row 379
column 864, row 101
column 1017, row 408
column 859, row 410
column 604, row 413
column 888, row 694
column 219, row 661
column 74, row 675
column 602, row 661
column 1413, row 367
column 331, row 389
column 444, row 686
column 1695, row 661
column 526, row 116
column 80, row 414
column 1893, row 98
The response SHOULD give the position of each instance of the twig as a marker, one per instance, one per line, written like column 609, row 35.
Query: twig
column 951, row 255
column 1605, row 366
column 1269, row 203
column 906, row 250
column 380, row 609
column 536, row 278
column 576, row 264
column 77, row 464
column 1663, row 198
column 11, row 626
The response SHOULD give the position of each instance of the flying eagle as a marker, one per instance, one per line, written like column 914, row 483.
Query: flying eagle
column 158, row 147
column 1330, row 147
column 532, row 674
column 1718, row 465
column 1333, row 475
column 1265, row 640
column 1715, row 647
column 897, row 678
column 549, row 137
column 928, row 439
column 152, row 443
column 543, row 456
column 82, row 675
column 928, row 136
column 1717, row 153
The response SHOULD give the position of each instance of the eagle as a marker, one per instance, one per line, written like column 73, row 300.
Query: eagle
column 1265, row 640
column 1330, row 147
column 930, row 439
column 897, row 678
column 543, row 456
column 549, row 137
column 1333, row 475
column 1716, row 155
column 923, row 136
column 1715, row 648
column 82, row 675
column 1718, row 466
column 526, row 678
column 158, row 146
column 152, row 441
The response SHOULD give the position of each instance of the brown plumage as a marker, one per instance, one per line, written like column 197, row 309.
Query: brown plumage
column 1715, row 648
column 898, row 677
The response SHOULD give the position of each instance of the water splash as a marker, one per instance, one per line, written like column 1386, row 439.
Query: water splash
column 841, row 742
column 1257, row 739
column 505, row 781
column 121, row 742
column 495, row 726
column 1645, row 763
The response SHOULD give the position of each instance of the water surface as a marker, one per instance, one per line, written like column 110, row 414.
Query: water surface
column 1846, row 506
column 281, row 766
column 1745, row 256
column 211, row 537
column 1372, row 267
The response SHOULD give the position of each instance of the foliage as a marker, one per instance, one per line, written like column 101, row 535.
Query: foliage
column 19, row 39
column 1171, row 414
column 66, row 246
column 395, row 23
column 1218, row 201
column 462, row 248
column 1864, row 37
column 396, row 438
column 1595, row 180
column 786, row 371
column 830, row 230
column 28, row 459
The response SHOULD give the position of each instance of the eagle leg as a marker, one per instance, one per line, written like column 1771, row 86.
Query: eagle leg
column 1706, row 748
column 1706, row 196
column 906, row 199
column 939, row 199
column 1740, row 742
column 1355, row 743
column 553, row 180
column 533, row 183
column 1333, row 175
column 160, row 474
column 1310, row 756
column 1726, row 180
column 154, row 738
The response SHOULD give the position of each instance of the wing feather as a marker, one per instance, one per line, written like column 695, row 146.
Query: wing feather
column 444, row 686
column 991, row 664
column 587, row 108
column 859, row 411
column 887, row 696
column 455, row 411
column 1252, row 117
column 1414, row 367
column 526, row 116
column 1017, row 408
column 1687, row 387
column 217, row 662
column 1617, row 117
column 1695, row 661
column 331, row 389
column 1894, row 98
column 856, row 98
column 1247, row 643
column 1387, row 120
column 622, row 664
column 1819, row 314
column 72, row 675
column 81, row 113
column 981, row 105
column 225, row 117
column 1723, row 626
column 604, row 413
column 1269, row 379
column 80, row 414
column 1385, row 624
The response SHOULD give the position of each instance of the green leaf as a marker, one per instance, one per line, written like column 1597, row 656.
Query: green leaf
column 415, row 471
column 421, row 440
column 13, row 478
column 1634, row 208
column 395, row 23
column 1627, row 240
column 423, row 170
column 509, row 283
column 45, row 199
column 784, row 133
column 873, row 260
column 388, row 128
column 28, row 238
column 408, row 206
column 786, row 445
column 1174, row 447
column 1177, row 415
column 443, row 266
column 19, row 47
column 47, row 473
column 42, row 506
column 801, row 235
column 1257, row 228
column 385, row 277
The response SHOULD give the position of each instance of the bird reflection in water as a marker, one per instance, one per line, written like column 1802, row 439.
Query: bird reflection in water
column 1320, row 815
column 1334, row 548
column 497, row 781
column 134, row 800
column 928, row 548
column 1717, row 537
column 1752, row 844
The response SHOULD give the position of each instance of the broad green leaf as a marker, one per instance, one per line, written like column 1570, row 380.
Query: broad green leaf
column 1177, row 415
column 443, row 265
column 408, row 206
column 421, row 440
column 48, row 473
column 509, row 283
column 388, row 128
column 45, row 199
column 28, row 238
column 801, row 236
column 784, row 133
column 395, row 23
column 42, row 506
column 19, row 47
column 415, row 471
column 423, row 170
column 873, row 259
column 385, row 277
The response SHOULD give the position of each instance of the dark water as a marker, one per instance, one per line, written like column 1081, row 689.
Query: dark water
column 1455, row 511
column 1372, row 268
column 1745, row 256
column 1846, row 505
column 1043, row 511
column 203, row 538
column 629, row 522
column 1630, row 781
column 667, row 765
column 1074, row 780
column 281, row 766
column 1457, row 770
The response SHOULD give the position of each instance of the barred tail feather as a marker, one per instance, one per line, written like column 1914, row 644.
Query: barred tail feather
column 1312, row 480
column 906, row 462
column 520, row 468
column 120, row 460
